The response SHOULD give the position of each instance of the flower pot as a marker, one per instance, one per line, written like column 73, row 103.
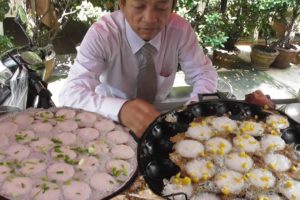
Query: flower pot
column 225, row 59
column 261, row 57
column 285, row 58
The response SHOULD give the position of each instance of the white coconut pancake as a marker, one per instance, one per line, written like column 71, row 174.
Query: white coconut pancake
column 270, row 143
column 98, row 147
column 199, row 131
column 86, row 119
column 117, row 137
column 290, row 189
column 23, row 120
column 4, row 172
column 103, row 182
column 261, row 178
column 206, row 196
column 88, row 164
column 269, row 197
column 104, row 125
column 8, row 128
column 87, row 134
column 76, row 190
column 42, row 127
column 24, row 136
column 3, row 141
column 42, row 145
column 122, row 151
column 67, row 125
column 172, row 188
column 189, row 148
column 252, row 128
column 218, row 146
column 224, row 125
column 44, row 115
column 119, row 169
column 66, row 113
column 277, row 162
column 239, row 161
column 277, row 121
column 63, row 151
column 200, row 169
column 230, row 182
column 17, row 186
column 32, row 166
column 45, row 190
column 60, row 172
column 246, row 143
column 18, row 152
column 67, row 138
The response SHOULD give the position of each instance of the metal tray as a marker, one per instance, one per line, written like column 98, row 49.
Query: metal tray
column 155, row 145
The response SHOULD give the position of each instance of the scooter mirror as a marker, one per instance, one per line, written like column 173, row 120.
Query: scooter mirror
column 31, row 58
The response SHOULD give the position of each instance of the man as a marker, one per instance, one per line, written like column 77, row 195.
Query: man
column 105, row 75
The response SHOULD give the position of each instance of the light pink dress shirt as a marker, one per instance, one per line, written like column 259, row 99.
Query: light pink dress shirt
column 104, row 74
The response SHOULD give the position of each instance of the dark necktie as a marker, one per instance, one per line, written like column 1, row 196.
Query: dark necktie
column 147, row 79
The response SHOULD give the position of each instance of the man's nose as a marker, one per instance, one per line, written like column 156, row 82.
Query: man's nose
column 149, row 16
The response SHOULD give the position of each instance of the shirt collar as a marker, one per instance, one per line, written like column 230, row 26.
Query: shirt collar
column 136, row 42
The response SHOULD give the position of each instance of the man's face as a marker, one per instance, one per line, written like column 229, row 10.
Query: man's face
column 147, row 17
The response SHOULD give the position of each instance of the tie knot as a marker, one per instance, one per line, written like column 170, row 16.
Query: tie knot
column 147, row 50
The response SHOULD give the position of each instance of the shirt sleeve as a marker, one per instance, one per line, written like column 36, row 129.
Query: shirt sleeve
column 80, row 88
column 197, row 67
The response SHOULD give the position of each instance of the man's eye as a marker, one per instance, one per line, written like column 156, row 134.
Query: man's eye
column 138, row 7
column 161, row 9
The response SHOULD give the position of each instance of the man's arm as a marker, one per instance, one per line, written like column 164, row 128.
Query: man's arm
column 198, row 68
column 84, row 90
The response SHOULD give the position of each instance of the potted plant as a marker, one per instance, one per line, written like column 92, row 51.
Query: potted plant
column 263, row 55
column 290, row 12
column 239, row 20
column 219, row 24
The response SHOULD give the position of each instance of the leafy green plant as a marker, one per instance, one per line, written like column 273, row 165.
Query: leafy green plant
column 4, row 8
column 210, row 33
column 220, row 23
column 62, row 12
column 288, row 11
column 239, row 18
column 5, row 43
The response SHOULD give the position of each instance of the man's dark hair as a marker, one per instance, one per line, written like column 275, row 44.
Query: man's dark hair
column 173, row 4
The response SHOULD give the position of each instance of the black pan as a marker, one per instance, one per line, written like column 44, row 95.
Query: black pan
column 155, row 145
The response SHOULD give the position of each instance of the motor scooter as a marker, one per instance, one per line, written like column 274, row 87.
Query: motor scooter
column 21, row 73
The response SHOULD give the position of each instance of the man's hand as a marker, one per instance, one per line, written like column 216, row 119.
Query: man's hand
column 137, row 115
